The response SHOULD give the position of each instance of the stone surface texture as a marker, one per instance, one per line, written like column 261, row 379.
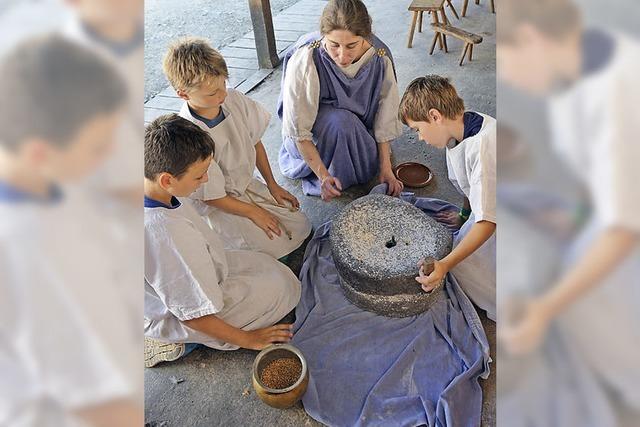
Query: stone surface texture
column 376, row 243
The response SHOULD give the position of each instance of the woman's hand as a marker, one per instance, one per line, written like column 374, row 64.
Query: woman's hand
column 526, row 331
column 431, row 279
column 450, row 218
column 330, row 187
column 394, row 185
column 282, row 196
column 261, row 338
column 266, row 221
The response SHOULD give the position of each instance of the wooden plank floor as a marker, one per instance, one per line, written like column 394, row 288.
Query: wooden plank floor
column 241, row 57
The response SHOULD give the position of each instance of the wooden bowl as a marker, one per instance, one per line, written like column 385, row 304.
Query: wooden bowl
column 279, row 398
column 413, row 174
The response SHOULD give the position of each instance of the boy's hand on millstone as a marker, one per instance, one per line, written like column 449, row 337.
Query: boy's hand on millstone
column 431, row 279
column 450, row 219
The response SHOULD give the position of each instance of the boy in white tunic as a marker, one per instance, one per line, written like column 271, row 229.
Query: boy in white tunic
column 589, row 80
column 195, row 290
column 432, row 107
column 249, row 213
column 68, row 346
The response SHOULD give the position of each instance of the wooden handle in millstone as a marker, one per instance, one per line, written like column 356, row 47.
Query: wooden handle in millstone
column 427, row 265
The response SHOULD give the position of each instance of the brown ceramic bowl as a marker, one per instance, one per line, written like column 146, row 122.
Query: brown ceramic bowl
column 413, row 174
column 279, row 398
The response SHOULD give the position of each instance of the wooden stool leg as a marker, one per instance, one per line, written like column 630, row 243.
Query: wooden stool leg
column 433, row 43
column 445, row 20
column 464, row 53
column 470, row 52
column 434, row 17
column 420, row 21
column 453, row 9
column 493, row 6
column 443, row 36
column 464, row 8
column 412, row 29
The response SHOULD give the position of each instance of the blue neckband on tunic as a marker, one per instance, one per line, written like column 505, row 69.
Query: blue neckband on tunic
column 11, row 194
column 472, row 124
column 151, row 203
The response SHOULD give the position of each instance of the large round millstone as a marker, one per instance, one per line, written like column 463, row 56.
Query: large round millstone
column 376, row 243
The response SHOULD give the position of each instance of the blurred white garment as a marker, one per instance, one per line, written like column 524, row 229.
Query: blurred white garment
column 596, row 126
column 117, row 185
column 65, row 335
column 551, row 386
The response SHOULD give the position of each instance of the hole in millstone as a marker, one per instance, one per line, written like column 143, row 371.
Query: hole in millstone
column 391, row 243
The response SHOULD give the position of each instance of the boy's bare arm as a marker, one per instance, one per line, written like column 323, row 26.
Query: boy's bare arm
column 610, row 248
column 260, row 217
column 262, row 163
column 479, row 233
column 281, row 195
column 217, row 328
column 232, row 205
column 121, row 412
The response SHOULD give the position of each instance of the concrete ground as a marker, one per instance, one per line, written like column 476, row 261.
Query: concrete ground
column 211, row 387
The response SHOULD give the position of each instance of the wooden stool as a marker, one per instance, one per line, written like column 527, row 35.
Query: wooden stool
column 468, row 38
column 418, row 7
column 466, row 3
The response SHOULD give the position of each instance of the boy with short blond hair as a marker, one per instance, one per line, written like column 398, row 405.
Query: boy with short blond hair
column 191, row 60
column 197, row 292
column 249, row 213
column 432, row 107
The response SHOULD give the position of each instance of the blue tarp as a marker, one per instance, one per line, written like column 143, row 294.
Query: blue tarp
column 367, row 369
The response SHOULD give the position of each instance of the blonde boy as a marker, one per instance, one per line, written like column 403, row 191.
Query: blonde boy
column 432, row 107
column 249, row 213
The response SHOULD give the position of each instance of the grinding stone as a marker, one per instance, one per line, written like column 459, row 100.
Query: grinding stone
column 376, row 243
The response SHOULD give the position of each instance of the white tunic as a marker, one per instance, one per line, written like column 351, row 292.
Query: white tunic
column 122, row 168
column 233, row 173
column 188, row 274
column 595, row 126
column 68, row 337
column 301, row 97
column 472, row 170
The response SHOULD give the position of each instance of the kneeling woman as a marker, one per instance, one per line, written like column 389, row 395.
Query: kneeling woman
column 339, row 105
